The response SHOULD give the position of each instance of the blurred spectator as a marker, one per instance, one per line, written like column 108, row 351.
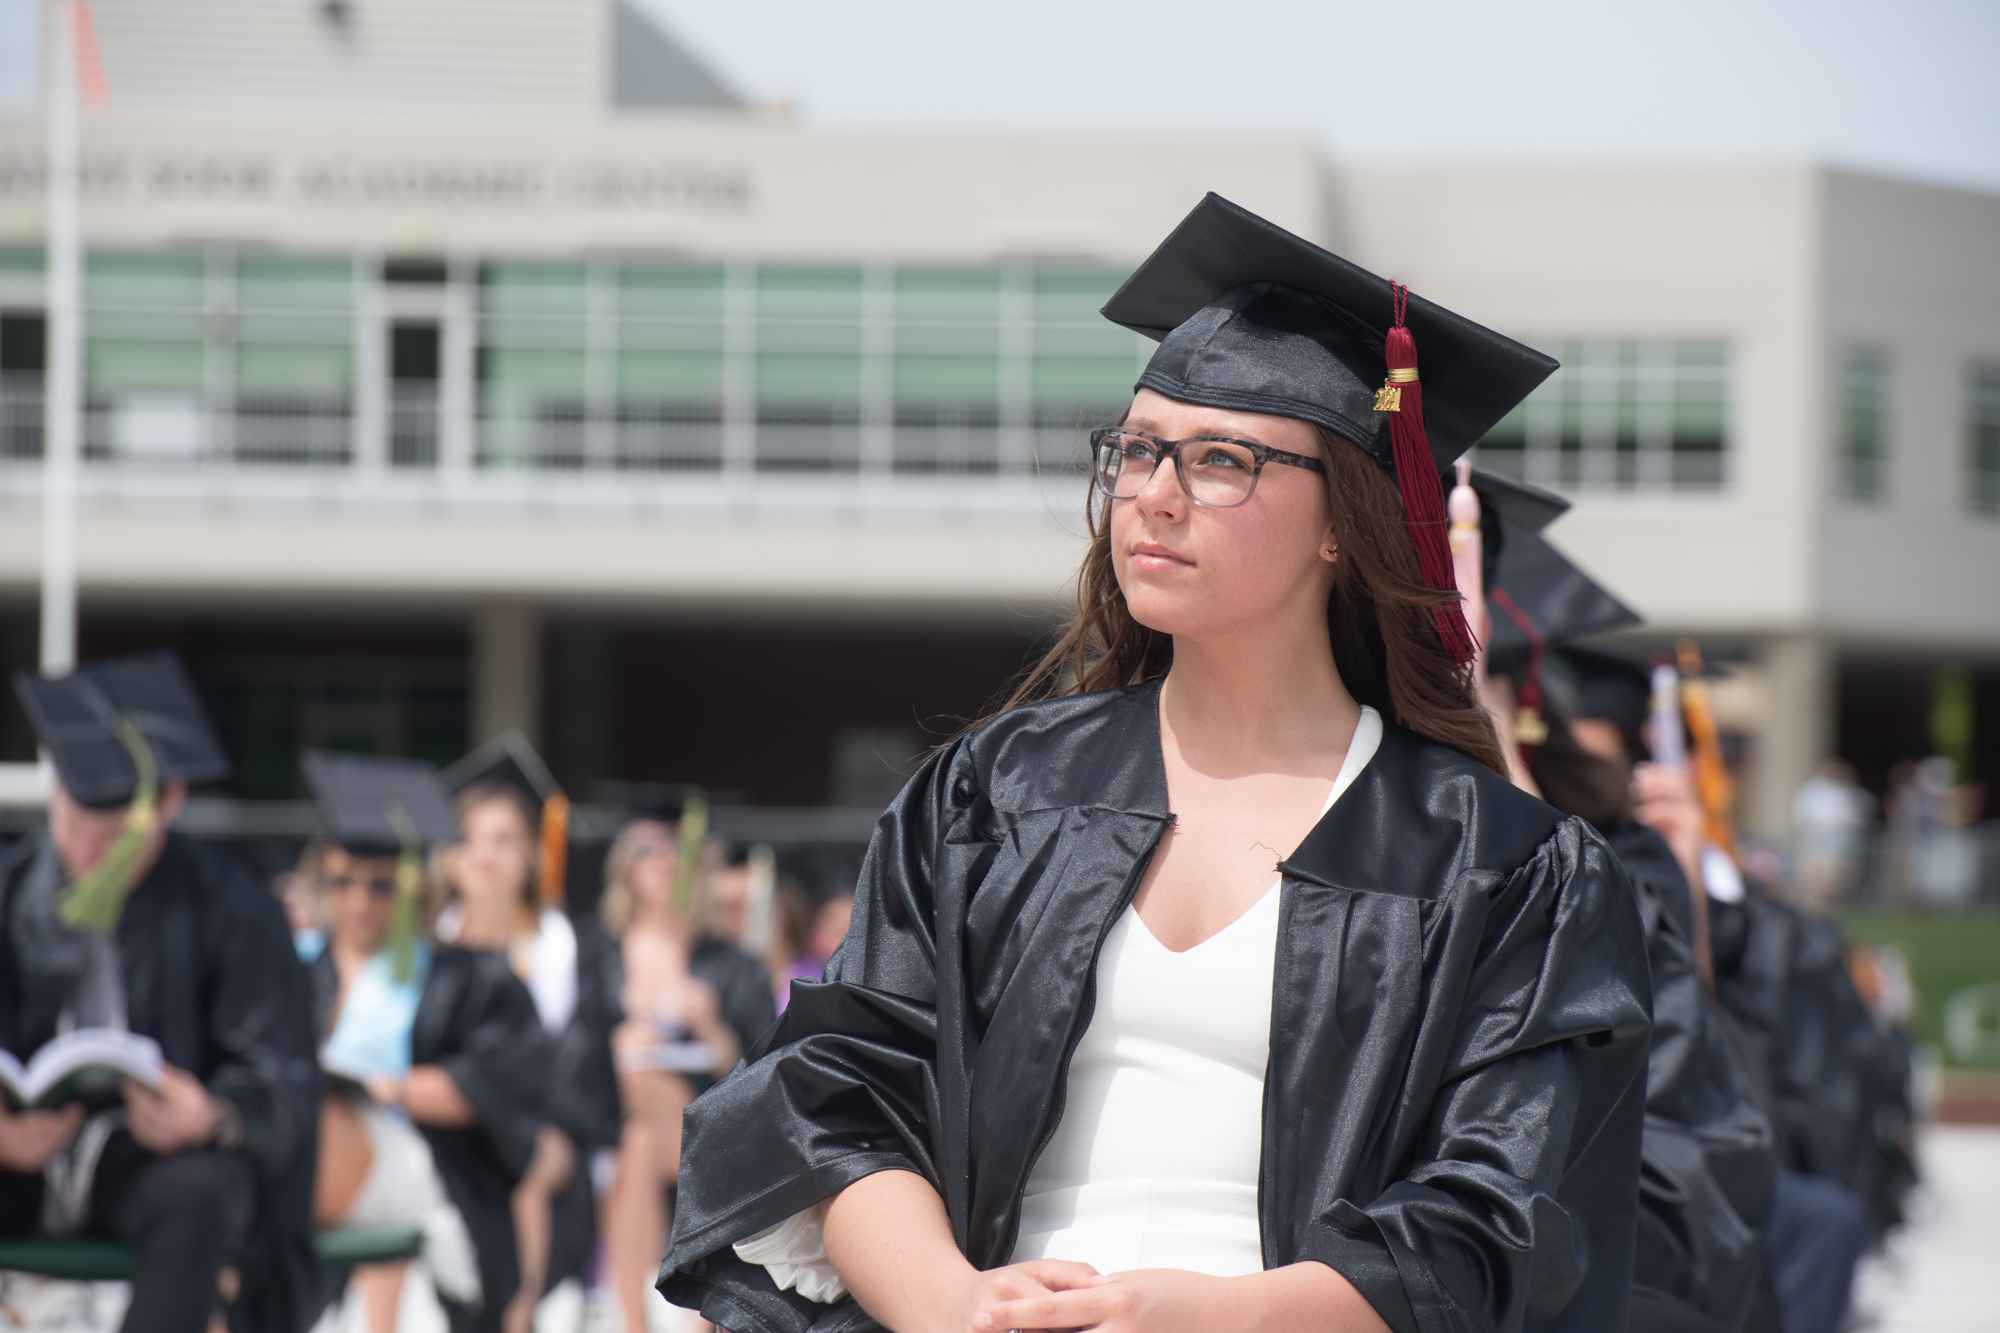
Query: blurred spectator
column 791, row 953
column 729, row 902
column 691, row 1004
column 830, row 926
column 1828, row 813
column 494, row 907
column 1932, row 858
column 375, row 1167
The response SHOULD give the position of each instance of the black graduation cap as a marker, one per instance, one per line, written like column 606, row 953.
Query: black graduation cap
column 78, row 718
column 1518, row 502
column 1586, row 681
column 361, row 797
column 506, row 761
column 1560, row 603
column 1253, row 318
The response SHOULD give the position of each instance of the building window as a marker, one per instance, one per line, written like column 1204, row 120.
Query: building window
column 1623, row 416
column 1862, row 463
column 1982, row 440
column 913, row 369
column 210, row 357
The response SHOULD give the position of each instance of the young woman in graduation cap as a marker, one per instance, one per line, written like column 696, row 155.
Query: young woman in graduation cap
column 1234, row 987
column 438, row 1065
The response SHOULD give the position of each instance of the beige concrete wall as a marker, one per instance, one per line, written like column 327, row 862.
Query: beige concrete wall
column 700, row 184
column 1602, row 250
column 1913, row 270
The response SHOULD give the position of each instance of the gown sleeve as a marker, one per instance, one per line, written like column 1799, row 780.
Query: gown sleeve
column 842, row 1086
column 259, row 1021
column 1509, row 1198
column 499, row 1054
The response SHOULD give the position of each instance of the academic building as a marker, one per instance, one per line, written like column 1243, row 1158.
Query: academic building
column 471, row 364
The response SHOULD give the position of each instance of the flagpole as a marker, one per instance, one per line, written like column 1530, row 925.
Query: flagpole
column 63, row 400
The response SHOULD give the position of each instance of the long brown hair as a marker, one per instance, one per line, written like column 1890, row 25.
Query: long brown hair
column 1385, row 639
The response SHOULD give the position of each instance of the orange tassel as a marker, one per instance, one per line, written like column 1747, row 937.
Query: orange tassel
column 555, row 849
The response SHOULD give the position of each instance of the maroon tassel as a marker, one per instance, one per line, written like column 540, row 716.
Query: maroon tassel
column 1530, row 728
column 1402, row 397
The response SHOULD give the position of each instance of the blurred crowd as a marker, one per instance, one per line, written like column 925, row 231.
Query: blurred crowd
column 403, row 1086
column 406, row 1084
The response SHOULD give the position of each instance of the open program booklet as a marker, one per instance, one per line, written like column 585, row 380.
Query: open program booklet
column 77, row 1064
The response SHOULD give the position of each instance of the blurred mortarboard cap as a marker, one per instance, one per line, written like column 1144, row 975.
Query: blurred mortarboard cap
column 1539, row 585
column 1594, row 682
column 370, row 802
column 1252, row 318
column 77, row 717
column 505, row 761
column 1520, row 503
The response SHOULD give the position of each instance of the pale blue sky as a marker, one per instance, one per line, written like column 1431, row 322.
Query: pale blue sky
column 1908, row 86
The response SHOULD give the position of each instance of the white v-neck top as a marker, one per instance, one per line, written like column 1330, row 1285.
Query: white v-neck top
column 1155, row 1161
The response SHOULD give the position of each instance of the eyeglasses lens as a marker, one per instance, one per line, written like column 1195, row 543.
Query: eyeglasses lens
column 1217, row 473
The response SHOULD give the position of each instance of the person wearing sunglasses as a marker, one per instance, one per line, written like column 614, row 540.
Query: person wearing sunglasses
column 1222, row 980
column 436, row 1060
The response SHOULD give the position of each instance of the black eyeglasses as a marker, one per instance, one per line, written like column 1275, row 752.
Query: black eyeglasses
column 1215, row 471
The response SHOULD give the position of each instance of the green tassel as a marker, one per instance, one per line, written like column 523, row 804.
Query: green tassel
column 409, row 893
column 694, row 833
column 96, row 900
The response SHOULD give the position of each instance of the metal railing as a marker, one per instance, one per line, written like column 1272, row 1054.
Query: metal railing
column 150, row 438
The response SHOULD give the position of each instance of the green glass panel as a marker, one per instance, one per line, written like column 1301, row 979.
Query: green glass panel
column 1510, row 429
column 294, row 367
column 669, row 291
column 535, row 289
column 1095, row 379
column 289, row 326
column 540, row 370
column 155, row 279
column 670, row 374
column 948, row 293
column 801, row 375
column 947, row 377
column 319, row 284
column 532, row 331
column 18, row 264
column 114, row 366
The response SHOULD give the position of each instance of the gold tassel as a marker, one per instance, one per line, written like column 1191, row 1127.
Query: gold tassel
column 694, row 833
column 409, row 893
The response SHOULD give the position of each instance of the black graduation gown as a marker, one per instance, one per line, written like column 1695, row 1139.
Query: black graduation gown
column 477, row 1021
column 210, row 974
column 1459, row 1022
column 583, row 1096
column 1708, row 1165
column 1835, row 1084
column 584, row 1091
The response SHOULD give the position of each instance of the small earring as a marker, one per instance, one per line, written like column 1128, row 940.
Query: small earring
column 1331, row 553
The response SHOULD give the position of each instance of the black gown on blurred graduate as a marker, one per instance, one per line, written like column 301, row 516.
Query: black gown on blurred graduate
column 1454, row 1094
column 474, row 1019
column 205, row 959
column 1707, row 1166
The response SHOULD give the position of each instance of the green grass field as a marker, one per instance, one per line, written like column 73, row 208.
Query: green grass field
column 1948, row 950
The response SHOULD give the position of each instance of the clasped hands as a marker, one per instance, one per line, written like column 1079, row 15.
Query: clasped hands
column 179, row 1116
column 1056, row 1294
